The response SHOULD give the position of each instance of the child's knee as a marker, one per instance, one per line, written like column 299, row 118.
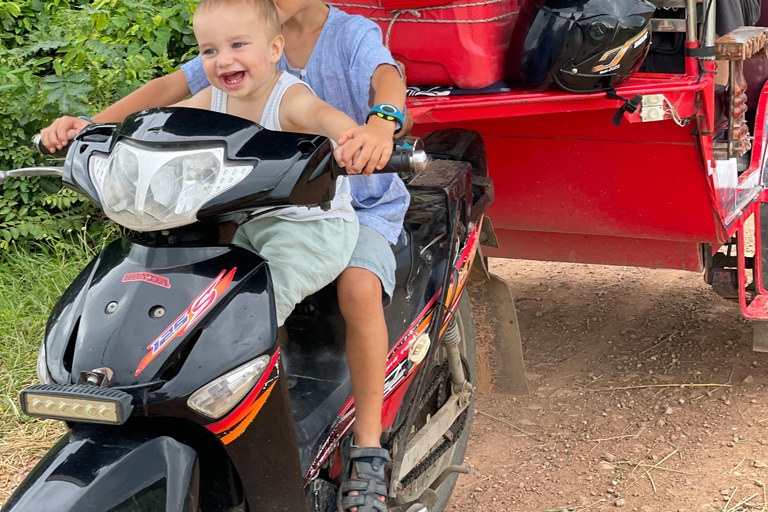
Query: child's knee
column 359, row 290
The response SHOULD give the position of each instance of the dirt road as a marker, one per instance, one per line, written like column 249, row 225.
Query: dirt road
column 653, row 445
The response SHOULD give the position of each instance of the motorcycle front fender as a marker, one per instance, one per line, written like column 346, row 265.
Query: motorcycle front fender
column 98, row 469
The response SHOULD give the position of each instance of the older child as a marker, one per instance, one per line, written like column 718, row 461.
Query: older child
column 306, row 248
column 343, row 59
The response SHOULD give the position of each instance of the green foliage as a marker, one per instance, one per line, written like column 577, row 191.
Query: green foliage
column 73, row 57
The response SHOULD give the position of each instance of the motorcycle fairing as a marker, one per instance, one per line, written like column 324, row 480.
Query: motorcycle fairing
column 187, row 319
column 290, row 169
column 261, row 444
column 139, row 344
column 111, row 470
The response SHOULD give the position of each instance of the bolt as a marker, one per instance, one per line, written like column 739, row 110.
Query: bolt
column 111, row 307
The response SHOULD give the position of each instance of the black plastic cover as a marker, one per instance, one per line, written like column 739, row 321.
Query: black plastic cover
column 107, row 469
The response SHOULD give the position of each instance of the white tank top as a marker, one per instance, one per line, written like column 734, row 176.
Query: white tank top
column 341, row 205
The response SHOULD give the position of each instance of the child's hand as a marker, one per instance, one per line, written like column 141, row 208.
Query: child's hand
column 366, row 148
column 61, row 131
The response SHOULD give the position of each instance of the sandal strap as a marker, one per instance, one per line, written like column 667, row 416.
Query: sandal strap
column 364, row 486
column 364, row 503
column 369, row 451
column 370, row 483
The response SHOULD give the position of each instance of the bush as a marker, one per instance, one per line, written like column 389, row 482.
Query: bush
column 73, row 57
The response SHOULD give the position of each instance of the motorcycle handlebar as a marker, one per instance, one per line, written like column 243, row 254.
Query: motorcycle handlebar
column 38, row 145
column 403, row 159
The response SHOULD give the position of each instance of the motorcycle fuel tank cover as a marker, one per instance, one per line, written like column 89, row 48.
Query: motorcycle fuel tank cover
column 137, row 327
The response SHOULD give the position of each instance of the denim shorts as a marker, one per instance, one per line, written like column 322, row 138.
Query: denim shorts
column 373, row 252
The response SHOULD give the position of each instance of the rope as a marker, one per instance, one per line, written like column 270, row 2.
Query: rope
column 417, row 14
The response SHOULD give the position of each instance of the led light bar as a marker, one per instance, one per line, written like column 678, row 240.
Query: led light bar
column 80, row 402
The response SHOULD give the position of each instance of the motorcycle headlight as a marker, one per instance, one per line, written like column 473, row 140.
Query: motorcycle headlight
column 43, row 375
column 220, row 396
column 151, row 189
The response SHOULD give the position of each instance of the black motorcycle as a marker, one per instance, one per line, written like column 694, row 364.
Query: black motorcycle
column 163, row 356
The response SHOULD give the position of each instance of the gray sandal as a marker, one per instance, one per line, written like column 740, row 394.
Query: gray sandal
column 370, row 483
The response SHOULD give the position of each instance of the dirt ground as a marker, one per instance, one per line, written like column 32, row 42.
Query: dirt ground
column 687, row 430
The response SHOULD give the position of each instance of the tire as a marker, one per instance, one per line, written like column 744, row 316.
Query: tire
column 455, row 455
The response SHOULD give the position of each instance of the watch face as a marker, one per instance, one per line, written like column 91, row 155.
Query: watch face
column 389, row 109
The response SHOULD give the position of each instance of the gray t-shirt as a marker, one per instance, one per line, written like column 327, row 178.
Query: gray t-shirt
column 339, row 70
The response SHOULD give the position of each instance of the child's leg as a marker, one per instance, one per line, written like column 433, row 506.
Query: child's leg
column 371, row 270
column 360, row 302
column 303, row 256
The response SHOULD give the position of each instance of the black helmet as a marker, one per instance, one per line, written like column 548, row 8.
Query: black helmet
column 581, row 45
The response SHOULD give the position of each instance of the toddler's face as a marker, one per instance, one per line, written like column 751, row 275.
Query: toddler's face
column 238, row 55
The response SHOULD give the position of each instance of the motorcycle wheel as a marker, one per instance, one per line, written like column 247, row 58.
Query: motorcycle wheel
column 455, row 455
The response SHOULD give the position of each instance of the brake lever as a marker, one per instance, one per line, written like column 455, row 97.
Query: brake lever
column 31, row 171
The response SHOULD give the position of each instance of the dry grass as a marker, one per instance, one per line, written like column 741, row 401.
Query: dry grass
column 30, row 284
column 21, row 448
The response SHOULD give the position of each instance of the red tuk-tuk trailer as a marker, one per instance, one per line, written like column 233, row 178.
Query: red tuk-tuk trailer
column 671, row 187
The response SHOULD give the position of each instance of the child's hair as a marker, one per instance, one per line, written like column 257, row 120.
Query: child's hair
column 266, row 9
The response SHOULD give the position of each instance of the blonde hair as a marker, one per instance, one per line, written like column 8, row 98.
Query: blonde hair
column 266, row 9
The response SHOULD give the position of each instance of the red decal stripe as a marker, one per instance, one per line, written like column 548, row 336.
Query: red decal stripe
column 189, row 317
column 253, row 411
column 243, row 409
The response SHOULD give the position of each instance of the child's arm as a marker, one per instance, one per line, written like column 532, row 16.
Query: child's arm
column 160, row 92
column 200, row 100
column 374, row 140
column 302, row 111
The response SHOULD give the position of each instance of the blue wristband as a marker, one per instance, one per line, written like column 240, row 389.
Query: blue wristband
column 86, row 118
column 388, row 112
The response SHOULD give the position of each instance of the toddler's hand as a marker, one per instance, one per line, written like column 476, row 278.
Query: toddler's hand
column 61, row 131
column 366, row 148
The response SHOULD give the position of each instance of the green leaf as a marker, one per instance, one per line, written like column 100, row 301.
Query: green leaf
column 101, row 21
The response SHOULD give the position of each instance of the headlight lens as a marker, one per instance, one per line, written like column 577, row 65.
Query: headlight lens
column 220, row 396
column 150, row 189
column 43, row 375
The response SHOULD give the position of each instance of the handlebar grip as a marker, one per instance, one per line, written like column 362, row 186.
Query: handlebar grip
column 38, row 145
column 402, row 160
